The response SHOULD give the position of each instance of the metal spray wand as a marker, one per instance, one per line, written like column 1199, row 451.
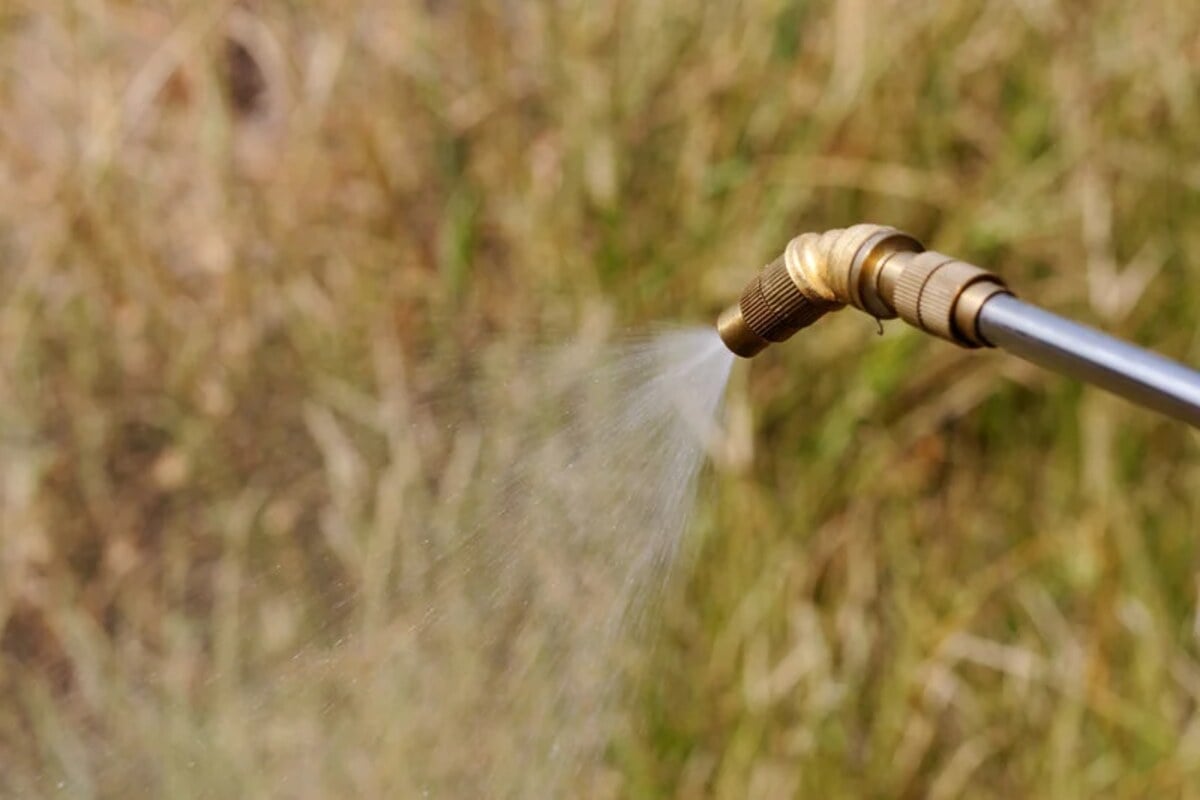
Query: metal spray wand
column 888, row 274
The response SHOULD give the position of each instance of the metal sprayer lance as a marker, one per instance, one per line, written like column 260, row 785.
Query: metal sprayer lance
column 888, row 274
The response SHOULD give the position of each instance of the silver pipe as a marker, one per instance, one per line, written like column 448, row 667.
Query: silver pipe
column 1050, row 341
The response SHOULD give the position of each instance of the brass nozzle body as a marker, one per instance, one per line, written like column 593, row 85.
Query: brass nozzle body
column 874, row 268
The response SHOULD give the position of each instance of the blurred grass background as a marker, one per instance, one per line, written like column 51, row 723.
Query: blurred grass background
column 243, row 242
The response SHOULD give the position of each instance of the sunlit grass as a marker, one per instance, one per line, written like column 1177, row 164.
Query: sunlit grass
column 226, row 299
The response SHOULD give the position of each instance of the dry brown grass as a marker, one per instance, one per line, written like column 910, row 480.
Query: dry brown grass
column 246, row 248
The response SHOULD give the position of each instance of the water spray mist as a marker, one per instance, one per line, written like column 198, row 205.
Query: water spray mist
column 888, row 274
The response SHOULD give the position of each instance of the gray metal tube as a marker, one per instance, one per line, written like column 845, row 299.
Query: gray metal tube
column 1146, row 378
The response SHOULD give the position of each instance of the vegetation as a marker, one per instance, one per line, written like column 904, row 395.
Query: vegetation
column 245, row 248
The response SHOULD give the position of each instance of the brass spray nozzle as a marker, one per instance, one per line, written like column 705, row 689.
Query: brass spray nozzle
column 874, row 268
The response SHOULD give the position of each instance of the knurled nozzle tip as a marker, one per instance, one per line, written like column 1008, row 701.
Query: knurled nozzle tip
column 737, row 335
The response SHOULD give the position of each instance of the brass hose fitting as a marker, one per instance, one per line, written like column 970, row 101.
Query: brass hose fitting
column 874, row 268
